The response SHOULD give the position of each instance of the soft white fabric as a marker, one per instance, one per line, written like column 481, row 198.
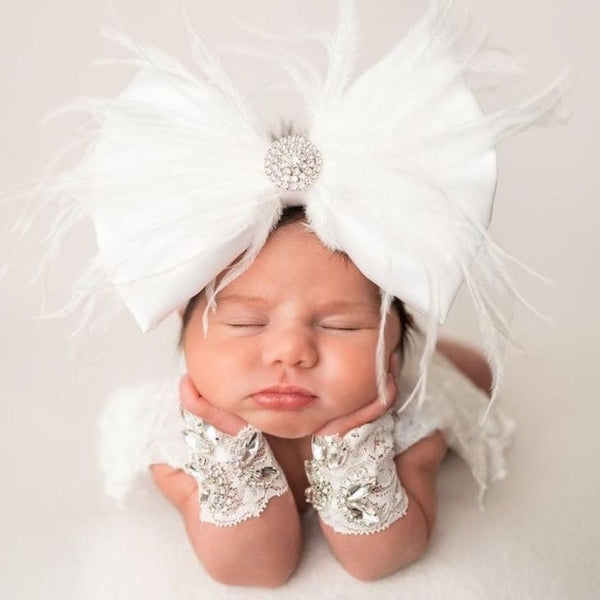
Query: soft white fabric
column 455, row 406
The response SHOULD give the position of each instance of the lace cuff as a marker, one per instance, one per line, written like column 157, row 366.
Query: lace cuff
column 236, row 475
column 354, row 483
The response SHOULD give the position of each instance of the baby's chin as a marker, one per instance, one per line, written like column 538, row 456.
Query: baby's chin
column 287, row 424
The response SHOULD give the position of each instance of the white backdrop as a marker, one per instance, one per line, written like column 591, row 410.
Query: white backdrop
column 546, row 214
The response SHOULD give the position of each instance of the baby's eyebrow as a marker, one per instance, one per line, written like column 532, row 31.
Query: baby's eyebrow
column 343, row 305
column 242, row 298
column 334, row 305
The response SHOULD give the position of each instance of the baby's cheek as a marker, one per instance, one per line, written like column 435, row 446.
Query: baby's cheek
column 352, row 377
column 203, row 368
column 216, row 373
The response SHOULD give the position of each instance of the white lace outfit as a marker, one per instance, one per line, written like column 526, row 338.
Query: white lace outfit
column 142, row 425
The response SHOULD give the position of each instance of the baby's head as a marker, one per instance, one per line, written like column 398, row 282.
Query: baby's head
column 300, row 315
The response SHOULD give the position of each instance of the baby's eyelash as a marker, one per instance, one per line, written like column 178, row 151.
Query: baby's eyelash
column 257, row 325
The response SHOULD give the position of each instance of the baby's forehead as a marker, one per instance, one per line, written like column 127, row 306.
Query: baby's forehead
column 293, row 265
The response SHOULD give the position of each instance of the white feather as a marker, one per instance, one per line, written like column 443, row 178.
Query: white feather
column 380, row 364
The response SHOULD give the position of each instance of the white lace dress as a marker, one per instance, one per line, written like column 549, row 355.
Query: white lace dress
column 142, row 425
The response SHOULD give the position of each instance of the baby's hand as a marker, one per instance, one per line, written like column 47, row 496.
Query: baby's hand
column 365, row 414
column 192, row 401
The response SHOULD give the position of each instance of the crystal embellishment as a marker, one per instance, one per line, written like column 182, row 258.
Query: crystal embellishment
column 236, row 474
column 353, row 480
column 319, row 493
column 330, row 450
column 356, row 505
column 293, row 163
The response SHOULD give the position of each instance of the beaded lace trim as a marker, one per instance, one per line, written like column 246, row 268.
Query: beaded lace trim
column 236, row 475
column 354, row 483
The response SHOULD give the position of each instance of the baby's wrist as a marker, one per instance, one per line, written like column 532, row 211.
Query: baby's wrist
column 354, row 484
column 237, row 475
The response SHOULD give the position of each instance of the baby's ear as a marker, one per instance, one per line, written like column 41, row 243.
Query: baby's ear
column 180, row 311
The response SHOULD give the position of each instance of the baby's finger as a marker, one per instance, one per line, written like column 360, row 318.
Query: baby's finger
column 344, row 424
column 391, row 389
column 189, row 397
column 376, row 407
column 195, row 403
column 371, row 411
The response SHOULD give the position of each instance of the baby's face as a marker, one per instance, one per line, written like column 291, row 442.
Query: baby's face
column 299, row 316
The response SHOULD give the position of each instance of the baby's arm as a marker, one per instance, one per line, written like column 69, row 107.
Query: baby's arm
column 370, row 557
column 261, row 551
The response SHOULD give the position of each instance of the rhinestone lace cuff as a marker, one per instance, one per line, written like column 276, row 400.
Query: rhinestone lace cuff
column 236, row 475
column 353, row 480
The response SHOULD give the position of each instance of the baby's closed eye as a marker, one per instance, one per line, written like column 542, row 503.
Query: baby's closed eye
column 327, row 326
column 244, row 325
column 338, row 326
column 347, row 323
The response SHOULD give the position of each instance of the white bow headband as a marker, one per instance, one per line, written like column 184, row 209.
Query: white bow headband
column 174, row 177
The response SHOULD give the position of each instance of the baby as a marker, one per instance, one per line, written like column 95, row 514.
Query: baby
column 292, row 382
column 290, row 351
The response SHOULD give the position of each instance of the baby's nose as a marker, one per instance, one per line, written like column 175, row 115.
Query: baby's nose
column 293, row 345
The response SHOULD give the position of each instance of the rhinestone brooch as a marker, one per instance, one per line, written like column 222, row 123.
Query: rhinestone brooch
column 293, row 163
